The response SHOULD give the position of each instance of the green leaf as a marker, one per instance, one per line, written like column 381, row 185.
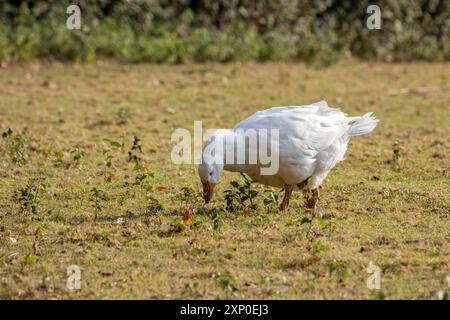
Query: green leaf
column 235, row 184
column 113, row 143
column 30, row 259
column 7, row 133
column 253, row 193
column 344, row 275
column 305, row 220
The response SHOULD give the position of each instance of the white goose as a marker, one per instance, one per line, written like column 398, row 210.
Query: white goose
column 312, row 140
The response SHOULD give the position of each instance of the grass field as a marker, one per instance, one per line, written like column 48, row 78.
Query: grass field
column 70, row 197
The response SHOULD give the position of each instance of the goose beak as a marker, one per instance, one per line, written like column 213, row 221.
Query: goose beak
column 208, row 190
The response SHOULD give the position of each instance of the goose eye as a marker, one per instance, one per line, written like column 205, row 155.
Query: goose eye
column 211, row 173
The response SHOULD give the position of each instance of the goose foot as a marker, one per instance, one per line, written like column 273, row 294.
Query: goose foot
column 311, row 199
column 284, row 206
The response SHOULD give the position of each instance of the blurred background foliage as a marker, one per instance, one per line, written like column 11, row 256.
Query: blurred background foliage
column 177, row 31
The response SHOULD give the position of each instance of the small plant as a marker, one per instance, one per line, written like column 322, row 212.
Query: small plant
column 315, row 247
column 30, row 259
column 303, row 186
column 124, row 115
column 241, row 196
column 177, row 225
column 15, row 146
column 59, row 155
column 132, row 153
column 141, row 180
column 378, row 295
column 189, row 196
column 270, row 201
column 146, row 187
column 340, row 269
column 153, row 204
column 324, row 224
column 27, row 197
column 397, row 155
column 56, row 156
column 216, row 218
column 190, row 288
column 226, row 282
column 77, row 156
column 185, row 221
column 108, row 158
column 96, row 197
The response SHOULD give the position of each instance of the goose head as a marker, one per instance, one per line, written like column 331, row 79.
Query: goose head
column 209, row 175
column 212, row 161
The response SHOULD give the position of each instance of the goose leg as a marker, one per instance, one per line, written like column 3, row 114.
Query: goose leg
column 287, row 195
column 311, row 201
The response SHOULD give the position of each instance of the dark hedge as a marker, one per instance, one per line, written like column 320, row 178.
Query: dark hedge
column 177, row 31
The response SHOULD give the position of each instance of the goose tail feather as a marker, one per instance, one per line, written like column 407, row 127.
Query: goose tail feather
column 362, row 125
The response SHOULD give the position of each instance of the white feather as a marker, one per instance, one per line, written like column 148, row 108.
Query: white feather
column 313, row 139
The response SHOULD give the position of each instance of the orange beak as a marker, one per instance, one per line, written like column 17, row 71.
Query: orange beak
column 208, row 190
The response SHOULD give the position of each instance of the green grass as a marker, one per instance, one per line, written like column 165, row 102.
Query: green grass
column 393, row 211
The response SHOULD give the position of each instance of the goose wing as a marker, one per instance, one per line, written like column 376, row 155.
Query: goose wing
column 304, row 131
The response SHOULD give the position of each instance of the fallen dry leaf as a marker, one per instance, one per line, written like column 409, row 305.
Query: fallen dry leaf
column 111, row 177
column 34, row 248
column 160, row 188
column 187, row 215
